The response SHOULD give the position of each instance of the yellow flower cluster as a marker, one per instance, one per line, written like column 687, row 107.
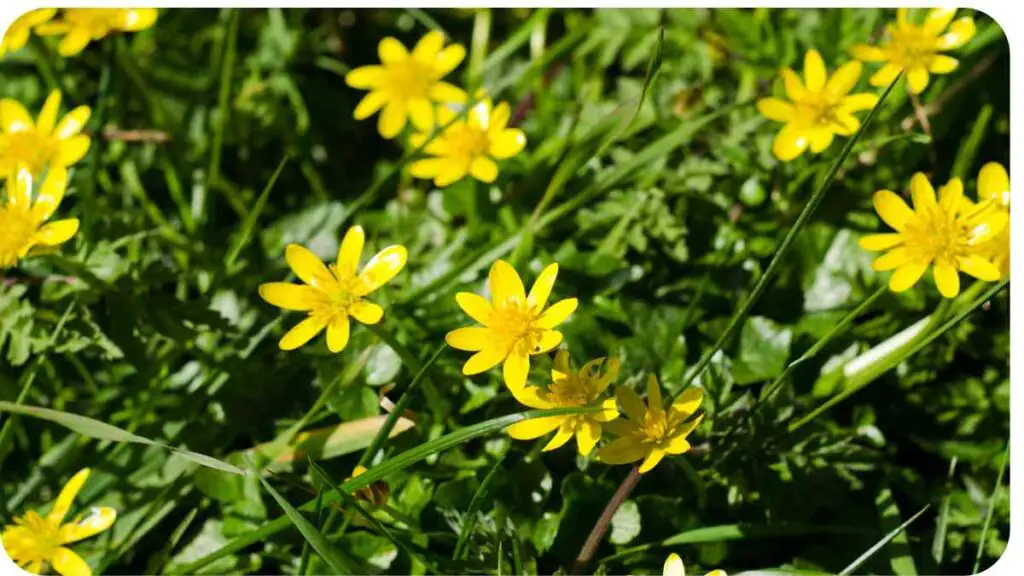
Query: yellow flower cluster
column 410, row 87
column 77, row 27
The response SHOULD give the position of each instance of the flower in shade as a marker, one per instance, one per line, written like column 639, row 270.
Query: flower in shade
column 514, row 325
column 35, row 540
column 406, row 86
column 80, row 26
column 331, row 295
column 23, row 227
column 44, row 142
column 375, row 494
column 17, row 34
column 994, row 186
column 650, row 432
column 570, row 389
column 820, row 108
column 674, row 567
column 468, row 146
column 948, row 233
column 917, row 49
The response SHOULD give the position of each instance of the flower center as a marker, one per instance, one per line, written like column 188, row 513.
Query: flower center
column 33, row 539
column 514, row 323
column 409, row 79
column 655, row 426
column 573, row 391
column 937, row 233
column 16, row 228
column 464, row 141
column 27, row 147
column 912, row 46
column 817, row 109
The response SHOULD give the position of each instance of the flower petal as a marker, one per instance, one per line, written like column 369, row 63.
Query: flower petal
column 687, row 403
column 994, row 184
column 476, row 306
column 652, row 459
column 448, row 59
column 74, row 41
column 631, row 403
column 534, row 427
column 775, row 109
column 471, row 339
column 302, row 332
column 446, row 93
column 57, row 232
column 892, row 260
column 391, row 51
column 978, row 267
column 392, row 120
column 290, row 296
column 14, row 117
column 906, row 276
column 68, row 563
column 366, row 312
column 515, row 370
column 921, row 192
column 308, row 267
column 427, row 49
column 942, row 64
column 794, row 87
column 917, row 79
column 541, row 289
column 350, row 251
column 878, row 242
column 548, row 340
column 99, row 519
column 48, row 114
column 369, row 105
column 892, row 209
column 678, row 445
column 337, row 333
column 815, row 74
column 858, row 102
column 484, row 360
column 885, row 75
column 951, row 195
column 136, row 19
column 384, row 266
column 365, row 77
column 844, row 79
column 484, row 169
column 507, row 143
column 587, row 436
column 959, row 33
column 789, row 143
column 565, row 432
column 937, row 20
column 505, row 284
column 653, row 394
column 621, row 451
column 71, row 150
column 868, row 53
column 67, row 496
column 51, row 193
column 421, row 112
column 947, row 279
column 674, row 566
column 821, row 138
column 72, row 123
column 609, row 411
column 533, row 397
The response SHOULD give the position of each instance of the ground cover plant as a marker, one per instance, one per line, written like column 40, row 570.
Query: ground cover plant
column 504, row 291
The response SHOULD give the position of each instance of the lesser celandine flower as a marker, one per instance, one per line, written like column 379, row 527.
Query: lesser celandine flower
column 80, row 26
column 819, row 109
column 650, row 432
column 17, row 35
column 468, row 146
column 45, row 142
column 948, row 233
column 674, row 567
column 407, row 85
column 514, row 325
column 23, row 227
column 917, row 49
column 994, row 186
column 331, row 295
column 35, row 540
column 569, row 389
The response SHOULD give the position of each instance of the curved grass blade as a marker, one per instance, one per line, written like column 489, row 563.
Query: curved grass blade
column 881, row 543
column 991, row 508
column 474, row 506
column 251, row 218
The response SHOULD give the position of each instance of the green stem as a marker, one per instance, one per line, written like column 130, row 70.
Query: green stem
column 227, row 66
column 478, row 47
column 991, row 509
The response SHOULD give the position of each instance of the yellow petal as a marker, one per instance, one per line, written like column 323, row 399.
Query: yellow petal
column 366, row 312
column 631, row 403
column 892, row 259
column 541, row 289
column 621, row 451
column 814, row 71
column 906, row 276
column 72, row 123
column 844, row 79
column 302, row 332
column 867, row 53
column 794, row 87
column 98, row 520
column 878, row 242
column 682, row 431
column 74, row 41
column 674, row 566
column 857, row 102
column 68, row 563
column 515, row 370
column 560, row 368
column 472, row 339
column 947, row 280
column 942, row 64
column 534, row 428
column 51, row 193
column 365, row 77
column 384, row 266
column 917, row 79
column 678, row 445
column 565, row 432
column 427, row 168
column 687, row 403
column 505, row 285
column 978, row 267
column 499, row 118
column 392, row 119
column 885, row 75
column 921, row 192
column 951, row 194
column 48, row 115
column 57, row 232
column 533, row 397
column 938, row 19
column 476, row 306
column 892, row 209
column 14, row 117
column 21, row 195
column 427, row 49
column 71, row 150
column 446, row 93
column 653, row 394
column 391, row 51
column 369, row 105
column 421, row 112
column 450, row 171
column 557, row 313
column 337, row 333
column 484, row 169
column 67, row 496
column 587, row 435
column 775, row 109
column 308, row 267
column 136, row 19
column 548, row 340
column 290, row 296
column 507, row 144
column 821, row 138
column 449, row 59
column 789, row 143
column 483, row 361
column 994, row 184
column 350, row 251
column 960, row 33
column 652, row 459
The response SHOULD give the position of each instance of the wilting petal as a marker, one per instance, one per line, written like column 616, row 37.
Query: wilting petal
column 565, row 432
column 366, row 312
column 99, row 519
column 878, row 242
column 308, row 267
column 68, row 563
column 384, row 266
column 505, row 284
column 921, row 192
column 290, row 296
column 483, row 360
column 302, row 332
column 906, row 276
column 978, row 267
column 587, row 435
column 557, row 313
column 631, row 403
column 814, row 71
column 515, row 370
column 775, row 109
column 892, row 209
column 652, row 459
column 365, row 77
column 947, row 279
column 534, row 428
column 844, row 79
column 476, row 306
column 337, row 333
column 621, row 451
column 471, row 339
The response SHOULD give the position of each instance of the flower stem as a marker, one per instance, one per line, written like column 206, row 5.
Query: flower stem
column 604, row 521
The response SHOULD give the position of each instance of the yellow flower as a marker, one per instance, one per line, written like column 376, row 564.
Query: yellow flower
column 80, row 26
column 375, row 494
column 35, row 540
column 651, row 432
column 468, row 146
column 43, row 142
column 948, row 233
column 569, row 389
column 674, row 567
column 514, row 325
column 333, row 294
column 820, row 109
column 407, row 85
column 916, row 49
column 994, row 186
column 22, row 228
column 17, row 35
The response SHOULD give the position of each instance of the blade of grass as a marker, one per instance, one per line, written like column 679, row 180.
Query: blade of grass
column 307, row 550
column 514, row 42
column 787, row 243
column 474, row 507
column 227, row 67
column 969, row 148
column 991, row 509
column 942, row 522
column 901, row 559
column 252, row 217
column 881, row 543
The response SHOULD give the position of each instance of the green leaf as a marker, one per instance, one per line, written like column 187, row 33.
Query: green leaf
column 764, row 351
column 881, row 543
column 625, row 523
